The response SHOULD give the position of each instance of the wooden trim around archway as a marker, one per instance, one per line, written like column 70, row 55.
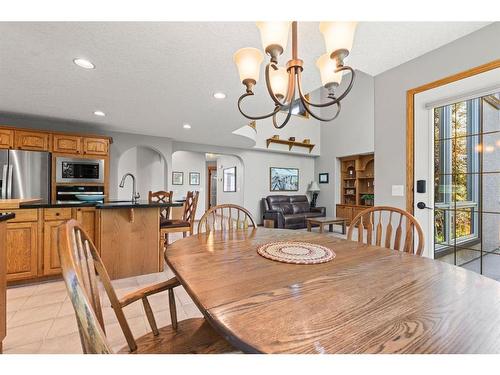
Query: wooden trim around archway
column 410, row 120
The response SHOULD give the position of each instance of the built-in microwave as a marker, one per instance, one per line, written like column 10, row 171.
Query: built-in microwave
column 79, row 171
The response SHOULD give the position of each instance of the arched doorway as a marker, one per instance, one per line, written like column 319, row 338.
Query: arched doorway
column 148, row 166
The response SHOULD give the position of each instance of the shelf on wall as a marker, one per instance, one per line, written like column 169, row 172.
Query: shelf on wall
column 290, row 144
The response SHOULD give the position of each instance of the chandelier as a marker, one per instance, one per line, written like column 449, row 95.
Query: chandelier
column 282, row 83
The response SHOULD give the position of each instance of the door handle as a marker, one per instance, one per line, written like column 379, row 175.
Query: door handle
column 422, row 206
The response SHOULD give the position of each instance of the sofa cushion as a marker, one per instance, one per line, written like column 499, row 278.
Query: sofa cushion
column 277, row 199
column 285, row 207
column 301, row 207
column 298, row 199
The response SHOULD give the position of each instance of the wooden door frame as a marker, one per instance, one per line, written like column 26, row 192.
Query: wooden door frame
column 410, row 120
column 210, row 168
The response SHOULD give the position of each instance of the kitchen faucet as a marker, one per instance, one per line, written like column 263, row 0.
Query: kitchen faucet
column 135, row 194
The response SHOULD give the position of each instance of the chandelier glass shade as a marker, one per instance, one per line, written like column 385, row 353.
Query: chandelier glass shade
column 284, row 82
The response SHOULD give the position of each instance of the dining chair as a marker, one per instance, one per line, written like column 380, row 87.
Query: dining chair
column 186, row 223
column 81, row 265
column 374, row 219
column 161, row 197
column 226, row 217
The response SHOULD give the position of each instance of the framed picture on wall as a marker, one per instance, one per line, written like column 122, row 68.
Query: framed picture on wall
column 177, row 178
column 324, row 178
column 194, row 178
column 283, row 179
column 229, row 180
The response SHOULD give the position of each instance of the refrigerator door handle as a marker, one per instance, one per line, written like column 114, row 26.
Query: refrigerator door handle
column 4, row 181
column 9, row 185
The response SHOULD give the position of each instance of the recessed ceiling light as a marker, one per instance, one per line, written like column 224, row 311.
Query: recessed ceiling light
column 99, row 113
column 186, row 126
column 82, row 63
column 219, row 95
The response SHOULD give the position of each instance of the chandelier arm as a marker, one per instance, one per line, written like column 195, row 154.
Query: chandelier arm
column 269, row 87
column 289, row 114
column 335, row 100
column 306, row 107
column 276, row 109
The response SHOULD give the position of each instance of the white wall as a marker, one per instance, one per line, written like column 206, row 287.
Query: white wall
column 352, row 132
column 256, row 166
column 472, row 50
column 186, row 162
column 237, row 197
column 149, row 168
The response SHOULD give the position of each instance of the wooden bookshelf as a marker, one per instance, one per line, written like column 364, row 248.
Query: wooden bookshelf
column 356, row 182
column 290, row 144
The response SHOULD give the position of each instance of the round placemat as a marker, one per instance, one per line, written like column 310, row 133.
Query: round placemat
column 296, row 252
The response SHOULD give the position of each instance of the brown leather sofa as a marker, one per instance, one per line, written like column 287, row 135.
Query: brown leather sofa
column 289, row 211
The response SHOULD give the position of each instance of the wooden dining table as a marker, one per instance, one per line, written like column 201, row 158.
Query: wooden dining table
column 368, row 299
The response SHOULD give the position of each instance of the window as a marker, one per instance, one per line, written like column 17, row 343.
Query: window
column 467, row 184
column 456, row 171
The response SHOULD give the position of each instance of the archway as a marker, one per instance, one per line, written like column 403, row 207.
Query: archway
column 148, row 166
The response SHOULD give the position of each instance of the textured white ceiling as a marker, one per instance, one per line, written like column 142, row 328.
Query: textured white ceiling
column 150, row 78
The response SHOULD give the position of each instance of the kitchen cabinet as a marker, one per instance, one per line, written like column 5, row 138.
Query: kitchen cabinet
column 51, row 264
column 22, row 250
column 35, row 141
column 67, row 144
column 88, row 219
column 95, row 146
column 6, row 138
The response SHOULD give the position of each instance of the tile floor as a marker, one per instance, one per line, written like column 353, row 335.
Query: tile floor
column 40, row 318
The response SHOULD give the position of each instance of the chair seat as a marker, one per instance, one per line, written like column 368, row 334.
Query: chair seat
column 167, row 223
column 193, row 336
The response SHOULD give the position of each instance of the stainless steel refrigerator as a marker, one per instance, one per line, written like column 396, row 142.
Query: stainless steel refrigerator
column 25, row 174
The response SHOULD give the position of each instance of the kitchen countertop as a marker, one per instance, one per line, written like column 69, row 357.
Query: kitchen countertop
column 105, row 205
column 9, row 204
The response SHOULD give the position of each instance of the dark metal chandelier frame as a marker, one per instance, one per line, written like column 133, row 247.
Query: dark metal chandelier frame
column 294, row 68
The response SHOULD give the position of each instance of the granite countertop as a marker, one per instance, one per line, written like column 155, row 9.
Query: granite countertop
column 99, row 205
column 7, row 216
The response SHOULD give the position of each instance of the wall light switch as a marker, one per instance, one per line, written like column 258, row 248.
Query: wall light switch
column 398, row 190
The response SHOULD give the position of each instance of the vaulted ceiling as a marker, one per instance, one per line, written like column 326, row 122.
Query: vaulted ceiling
column 151, row 78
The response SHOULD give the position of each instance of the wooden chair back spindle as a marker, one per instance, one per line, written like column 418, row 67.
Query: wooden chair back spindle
column 190, row 206
column 81, row 265
column 229, row 217
column 404, row 236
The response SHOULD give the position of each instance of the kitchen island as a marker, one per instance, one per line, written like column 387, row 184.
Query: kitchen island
column 125, row 233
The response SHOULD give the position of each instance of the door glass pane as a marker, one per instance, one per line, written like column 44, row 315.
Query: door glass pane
column 467, row 184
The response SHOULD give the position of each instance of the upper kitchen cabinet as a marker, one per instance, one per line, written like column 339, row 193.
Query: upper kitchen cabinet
column 67, row 144
column 6, row 138
column 95, row 146
column 36, row 141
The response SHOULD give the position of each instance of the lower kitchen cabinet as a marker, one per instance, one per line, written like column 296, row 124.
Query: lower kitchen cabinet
column 51, row 264
column 32, row 240
column 87, row 217
column 22, row 251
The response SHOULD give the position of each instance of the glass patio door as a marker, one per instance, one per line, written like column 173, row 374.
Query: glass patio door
column 467, row 184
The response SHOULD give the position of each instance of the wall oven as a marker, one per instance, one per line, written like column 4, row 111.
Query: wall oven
column 79, row 171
